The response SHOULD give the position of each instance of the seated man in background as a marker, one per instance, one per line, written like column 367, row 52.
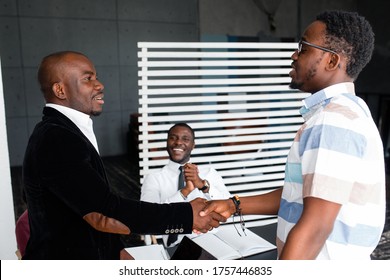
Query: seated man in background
column 166, row 185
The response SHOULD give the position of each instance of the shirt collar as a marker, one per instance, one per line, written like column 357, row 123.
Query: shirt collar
column 327, row 93
column 174, row 165
column 79, row 118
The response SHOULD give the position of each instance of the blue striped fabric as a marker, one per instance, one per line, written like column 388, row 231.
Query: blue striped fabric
column 337, row 155
column 333, row 138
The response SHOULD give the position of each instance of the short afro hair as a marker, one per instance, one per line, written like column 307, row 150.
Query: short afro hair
column 349, row 34
column 183, row 125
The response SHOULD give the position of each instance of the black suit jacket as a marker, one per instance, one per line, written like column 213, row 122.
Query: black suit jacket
column 73, row 214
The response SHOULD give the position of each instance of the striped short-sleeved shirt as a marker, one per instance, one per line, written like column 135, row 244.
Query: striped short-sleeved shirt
column 337, row 155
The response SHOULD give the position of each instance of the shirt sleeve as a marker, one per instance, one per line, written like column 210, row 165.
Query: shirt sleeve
column 218, row 190
column 150, row 190
column 71, row 176
column 157, row 187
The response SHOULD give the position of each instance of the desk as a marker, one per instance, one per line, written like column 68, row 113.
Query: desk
column 268, row 232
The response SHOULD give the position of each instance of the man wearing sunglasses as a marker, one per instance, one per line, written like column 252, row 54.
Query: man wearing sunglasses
column 332, row 204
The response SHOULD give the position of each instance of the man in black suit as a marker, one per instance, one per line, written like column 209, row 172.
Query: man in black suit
column 73, row 214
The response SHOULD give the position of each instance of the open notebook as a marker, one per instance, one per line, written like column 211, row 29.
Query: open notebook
column 225, row 244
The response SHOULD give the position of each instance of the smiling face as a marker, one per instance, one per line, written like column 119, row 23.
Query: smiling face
column 180, row 143
column 76, row 85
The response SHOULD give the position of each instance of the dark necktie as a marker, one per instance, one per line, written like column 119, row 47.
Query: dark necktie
column 180, row 184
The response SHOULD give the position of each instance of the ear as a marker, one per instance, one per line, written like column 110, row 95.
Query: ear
column 58, row 91
column 193, row 146
column 334, row 62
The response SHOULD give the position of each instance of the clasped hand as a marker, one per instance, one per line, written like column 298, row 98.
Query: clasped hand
column 191, row 175
column 209, row 214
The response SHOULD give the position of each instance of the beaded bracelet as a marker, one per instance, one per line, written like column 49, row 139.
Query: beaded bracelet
column 237, row 202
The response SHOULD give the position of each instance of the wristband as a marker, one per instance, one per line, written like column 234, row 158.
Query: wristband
column 205, row 186
column 237, row 202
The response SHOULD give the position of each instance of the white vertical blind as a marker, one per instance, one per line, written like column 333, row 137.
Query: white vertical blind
column 235, row 96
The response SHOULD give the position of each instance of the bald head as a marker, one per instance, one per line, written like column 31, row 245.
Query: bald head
column 69, row 79
column 51, row 69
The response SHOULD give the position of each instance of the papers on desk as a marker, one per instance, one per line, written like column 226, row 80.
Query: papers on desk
column 227, row 244
column 149, row 252
column 223, row 244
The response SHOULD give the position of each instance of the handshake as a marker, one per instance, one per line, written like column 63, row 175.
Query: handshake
column 209, row 214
